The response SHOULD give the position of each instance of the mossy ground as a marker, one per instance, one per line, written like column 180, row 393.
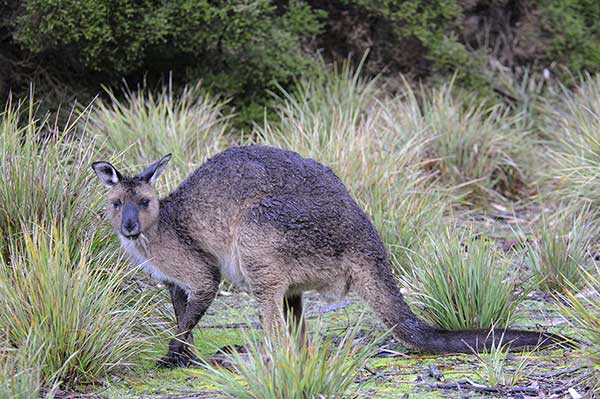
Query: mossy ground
column 392, row 373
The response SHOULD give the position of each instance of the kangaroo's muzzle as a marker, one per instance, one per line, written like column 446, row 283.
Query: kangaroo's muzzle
column 130, row 224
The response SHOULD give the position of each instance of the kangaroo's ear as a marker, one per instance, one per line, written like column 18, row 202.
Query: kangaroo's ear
column 107, row 173
column 153, row 172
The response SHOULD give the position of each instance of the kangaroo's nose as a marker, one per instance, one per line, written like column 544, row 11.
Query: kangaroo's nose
column 131, row 227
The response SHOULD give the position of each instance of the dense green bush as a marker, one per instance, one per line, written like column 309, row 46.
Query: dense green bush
column 574, row 26
column 406, row 36
column 239, row 47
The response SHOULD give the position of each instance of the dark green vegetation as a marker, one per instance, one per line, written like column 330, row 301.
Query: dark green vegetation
column 241, row 49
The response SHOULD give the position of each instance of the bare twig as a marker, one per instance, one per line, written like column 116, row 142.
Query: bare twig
column 482, row 388
column 233, row 325
column 376, row 374
column 329, row 308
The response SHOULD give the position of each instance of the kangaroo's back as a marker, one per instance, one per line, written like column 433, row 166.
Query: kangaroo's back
column 271, row 188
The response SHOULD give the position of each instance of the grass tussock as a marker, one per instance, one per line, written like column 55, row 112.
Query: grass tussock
column 499, row 367
column 581, row 306
column 460, row 281
column 63, row 290
column 42, row 180
column 562, row 248
column 19, row 377
column 573, row 127
column 75, row 304
column 278, row 367
column 478, row 150
column 144, row 126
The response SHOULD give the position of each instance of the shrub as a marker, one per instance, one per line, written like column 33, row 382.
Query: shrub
column 459, row 281
column 240, row 48
column 404, row 36
column 279, row 367
column 563, row 246
column 574, row 26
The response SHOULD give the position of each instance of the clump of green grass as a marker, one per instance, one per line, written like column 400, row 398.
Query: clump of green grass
column 77, row 304
column 20, row 376
column 581, row 306
column 573, row 125
column 18, row 380
column 63, row 290
column 459, row 281
column 43, row 173
column 144, row 126
column 339, row 121
column 479, row 151
column 499, row 367
column 277, row 366
column 563, row 246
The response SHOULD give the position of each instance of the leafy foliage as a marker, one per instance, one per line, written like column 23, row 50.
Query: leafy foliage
column 241, row 48
column 574, row 26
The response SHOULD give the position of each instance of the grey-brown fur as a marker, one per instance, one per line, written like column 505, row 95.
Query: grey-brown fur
column 275, row 224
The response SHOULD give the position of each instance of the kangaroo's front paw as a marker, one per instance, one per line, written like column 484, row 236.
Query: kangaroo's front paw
column 173, row 360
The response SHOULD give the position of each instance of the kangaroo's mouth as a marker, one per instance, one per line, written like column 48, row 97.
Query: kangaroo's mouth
column 131, row 236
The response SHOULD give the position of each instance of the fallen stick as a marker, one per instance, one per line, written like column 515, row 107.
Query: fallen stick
column 329, row 308
column 458, row 385
column 232, row 325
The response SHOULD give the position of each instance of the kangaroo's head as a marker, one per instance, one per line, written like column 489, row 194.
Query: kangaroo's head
column 132, row 202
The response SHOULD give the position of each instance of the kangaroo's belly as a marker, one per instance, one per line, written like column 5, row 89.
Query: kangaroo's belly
column 232, row 269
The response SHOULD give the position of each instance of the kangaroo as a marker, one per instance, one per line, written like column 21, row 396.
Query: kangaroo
column 275, row 224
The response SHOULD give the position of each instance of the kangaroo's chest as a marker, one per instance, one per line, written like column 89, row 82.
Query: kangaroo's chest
column 139, row 256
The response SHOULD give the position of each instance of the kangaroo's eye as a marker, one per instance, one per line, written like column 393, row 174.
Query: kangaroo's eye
column 144, row 203
column 117, row 204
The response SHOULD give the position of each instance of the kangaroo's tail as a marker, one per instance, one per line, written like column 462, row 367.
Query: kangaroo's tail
column 387, row 302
